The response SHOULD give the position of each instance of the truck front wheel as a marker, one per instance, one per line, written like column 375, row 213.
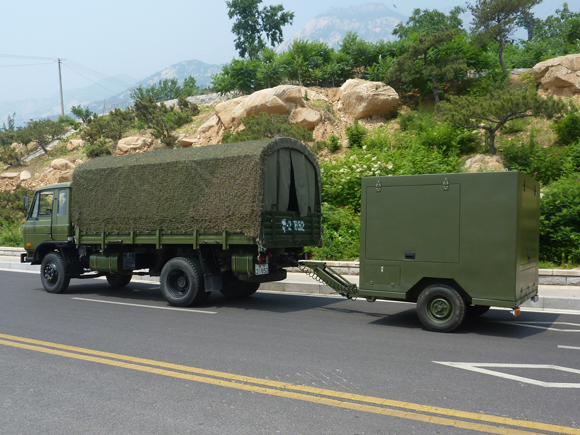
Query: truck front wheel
column 440, row 308
column 53, row 273
column 182, row 282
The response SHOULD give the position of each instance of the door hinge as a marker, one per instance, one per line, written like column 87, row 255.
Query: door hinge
column 446, row 185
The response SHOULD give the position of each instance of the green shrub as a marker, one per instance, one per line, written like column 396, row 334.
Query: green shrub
column 333, row 143
column 341, row 178
column 560, row 221
column 268, row 126
column 11, row 204
column 568, row 128
column 10, row 234
column 98, row 149
column 544, row 164
column 341, row 236
column 356, row 134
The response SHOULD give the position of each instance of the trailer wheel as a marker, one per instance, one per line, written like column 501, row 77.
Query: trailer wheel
column 182, row 282
column 117, row 280
column 235, row 288
column 440, row 308
column 53, row 273
column 476, row 310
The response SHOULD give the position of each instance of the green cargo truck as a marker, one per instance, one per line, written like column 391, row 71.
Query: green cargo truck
column 455, row 244
column 220, row 217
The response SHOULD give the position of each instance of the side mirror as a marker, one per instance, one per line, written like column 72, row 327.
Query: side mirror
column 25, row 203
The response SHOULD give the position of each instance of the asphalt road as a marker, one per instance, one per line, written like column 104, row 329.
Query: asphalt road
column 102, row 361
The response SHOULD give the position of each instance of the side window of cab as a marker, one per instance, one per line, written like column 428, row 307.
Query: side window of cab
column 42, row 206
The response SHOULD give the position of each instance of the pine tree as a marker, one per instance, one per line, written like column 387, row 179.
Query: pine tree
column 492, row 112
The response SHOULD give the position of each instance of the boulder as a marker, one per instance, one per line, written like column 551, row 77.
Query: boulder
column 188, row 142
column 559, row 76
column 65, row 176
column 133, row 143
column 208, row 125
column 361, row 98
column 484, row 163
column 224, row 111
column 306, row 117
column 32, row 146
column 16, row 146
column 10, row 175
column 25, row 175
column 279, row 100
column 61, row 165
column 73, row 144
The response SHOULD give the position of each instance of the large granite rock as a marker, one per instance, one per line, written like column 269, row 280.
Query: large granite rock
column 559, row 76
column 361, row 98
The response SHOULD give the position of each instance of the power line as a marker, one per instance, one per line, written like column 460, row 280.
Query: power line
column 98, row 74
column 82, row 75
column 26, row 64
column 16, row 56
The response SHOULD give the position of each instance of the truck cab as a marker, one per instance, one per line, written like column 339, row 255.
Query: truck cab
column 48, row 224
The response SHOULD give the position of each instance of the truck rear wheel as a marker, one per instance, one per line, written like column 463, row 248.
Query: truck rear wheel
column 440, row 308
column 235, row 288
column 53, row 273
column 117, row 280
column 182, row 282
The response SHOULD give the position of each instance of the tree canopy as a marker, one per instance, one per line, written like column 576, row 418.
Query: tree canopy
column 491, row 112
column 497, row 19
column 254, row 26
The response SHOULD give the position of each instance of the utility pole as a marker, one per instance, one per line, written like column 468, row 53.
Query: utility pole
column 60, row 83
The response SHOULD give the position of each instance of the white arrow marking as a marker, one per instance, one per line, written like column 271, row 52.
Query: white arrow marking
column 479, row 368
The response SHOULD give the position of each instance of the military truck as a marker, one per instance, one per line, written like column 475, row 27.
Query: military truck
column 455, row 244
column 223, row 217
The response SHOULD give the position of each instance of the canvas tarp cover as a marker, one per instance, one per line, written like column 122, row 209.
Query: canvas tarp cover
column 214, row 188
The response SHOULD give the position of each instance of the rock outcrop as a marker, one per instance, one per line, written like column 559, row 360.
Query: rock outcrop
column 559, row 76
column 362, row 99
column 133, row 143
column 484, row 163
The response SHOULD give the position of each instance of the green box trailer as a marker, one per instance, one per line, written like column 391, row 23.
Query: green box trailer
column 454, row 243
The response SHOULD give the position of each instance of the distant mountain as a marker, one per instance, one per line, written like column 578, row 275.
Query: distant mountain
column 50, row 107
column 372, row 22
column 200, row 70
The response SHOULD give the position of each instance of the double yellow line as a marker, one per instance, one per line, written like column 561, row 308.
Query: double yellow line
column 411, row 411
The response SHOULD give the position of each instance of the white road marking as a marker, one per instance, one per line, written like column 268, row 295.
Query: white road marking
column 538, row 325
column 478, row 367
column 147, row 306
column 568, row 347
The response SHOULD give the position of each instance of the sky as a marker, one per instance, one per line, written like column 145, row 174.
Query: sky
column 137, row 38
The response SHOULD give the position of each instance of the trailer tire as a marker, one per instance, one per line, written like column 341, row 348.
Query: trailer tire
column 440, row 308
column 53, row 273
column 476, row 310
column 235, row 288
column 116, row 280
column 182, row 282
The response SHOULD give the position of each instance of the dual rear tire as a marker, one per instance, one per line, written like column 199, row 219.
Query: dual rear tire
column 182, row 282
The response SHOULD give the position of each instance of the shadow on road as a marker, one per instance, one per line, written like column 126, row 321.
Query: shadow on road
column 495, row 323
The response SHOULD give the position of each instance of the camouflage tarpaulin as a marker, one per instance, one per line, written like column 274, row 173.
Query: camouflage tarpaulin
column 210, row 188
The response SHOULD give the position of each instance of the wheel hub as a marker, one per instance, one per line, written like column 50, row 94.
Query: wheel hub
column 441, row 309
column 182, row 283
column 50, row 273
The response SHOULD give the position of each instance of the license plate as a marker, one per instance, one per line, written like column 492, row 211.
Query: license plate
column 262, row 269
